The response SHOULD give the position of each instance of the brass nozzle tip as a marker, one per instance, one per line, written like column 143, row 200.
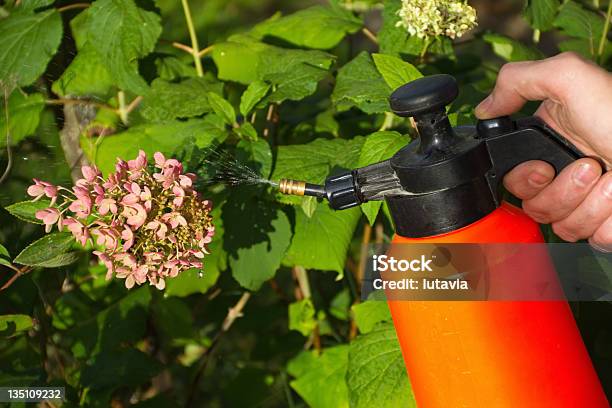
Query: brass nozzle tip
column 292, row 187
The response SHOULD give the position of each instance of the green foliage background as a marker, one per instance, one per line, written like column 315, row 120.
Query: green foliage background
column 296, row 89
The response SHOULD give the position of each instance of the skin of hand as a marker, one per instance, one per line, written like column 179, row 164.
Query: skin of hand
column 576, row 100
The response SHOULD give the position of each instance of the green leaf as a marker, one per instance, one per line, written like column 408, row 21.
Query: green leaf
column 369, row 313
column 256, row 154
column 253, row 94
column 321, row 241
column 4, row 253
column 294, row 74
column 86, row 75
column 541, row 13
column 511, row 50
column 315, row 27
column 377, row 147
column 122, row 322
column 13, row 323
column 23, row 115
column 578, row 22
column 222, row 108
column 320, row 379
column 325, row 122
column 172, row 68
column 29, row 41
column 122, row 33
column 395, row 71
column 26, row 210
column 165, row 138
column 359, row 84
column 265, row 254
column 49, row 251
column 119, row 368
column 322, row 154
column 376, row 373
column 167, row 101
column 302, row 316
column 339, row 306
column 31, row 5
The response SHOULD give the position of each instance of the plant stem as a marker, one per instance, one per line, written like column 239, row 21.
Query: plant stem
column 302, row 278
column 74, row 6
column 604, row 33
column 122, row 111
column 194, row 39
column 370, row 35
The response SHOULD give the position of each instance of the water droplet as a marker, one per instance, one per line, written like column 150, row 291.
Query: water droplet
column 200, row 275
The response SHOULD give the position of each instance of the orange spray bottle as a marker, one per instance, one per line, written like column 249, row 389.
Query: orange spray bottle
column 443, row 188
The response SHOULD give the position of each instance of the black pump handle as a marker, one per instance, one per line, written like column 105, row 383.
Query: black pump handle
column 513, row 142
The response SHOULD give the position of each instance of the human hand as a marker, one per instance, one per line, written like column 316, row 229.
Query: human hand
column 576, row 100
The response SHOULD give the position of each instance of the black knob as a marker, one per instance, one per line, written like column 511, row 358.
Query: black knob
column 427, row 94
column 425, row 99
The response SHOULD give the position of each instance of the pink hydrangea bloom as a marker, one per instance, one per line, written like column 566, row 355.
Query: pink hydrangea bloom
column 148, row 223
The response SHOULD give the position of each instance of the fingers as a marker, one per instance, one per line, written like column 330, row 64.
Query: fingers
column 519, row 82
column 565, row 193
column 527, row 179
column 590, row 216
column 602, row 238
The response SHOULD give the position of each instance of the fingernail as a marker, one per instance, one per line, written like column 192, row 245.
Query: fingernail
column 584, row 175
column 484, row 106
column 538, row 179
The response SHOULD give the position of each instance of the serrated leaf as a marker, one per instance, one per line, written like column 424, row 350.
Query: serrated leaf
column 360, row 85
column 246, row 132
column 315, row 27
column 86, row 75
column 252, row 95
column 26, row 210
column 320, row 379
column 13, row 323
column 256, row 260
column 23, row 114
column 541, row 13
column 49, row 251
column 369, row 313
column 302, row 316
column 172, row 68
column 165, row 138
column 222, row 108
column 321, row 241
column 394, row 71
column 578, row 22
column 122, row 33
column 294, row 74
column 376, row 374
column 511, row 50
column 377, row 147
column 394, row 40
column 29, row 41
column 167, row 100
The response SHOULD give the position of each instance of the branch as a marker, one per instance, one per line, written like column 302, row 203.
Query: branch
column 370, row 35
column 194, row 39
column 183, row 47
column 205, row 51
column 18, row 273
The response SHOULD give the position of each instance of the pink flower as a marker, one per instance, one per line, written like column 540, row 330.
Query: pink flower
column 174, row 219
column 107, row 237
column 49, row 216
column 80, row 232
column 90, row 173
column 81, row 207
column 135, row 214
column 106, row 205
column 179, row 195
column 42, row 188
column 128, row 238
column 106, row 260
column 159, row 227
column 137, row 165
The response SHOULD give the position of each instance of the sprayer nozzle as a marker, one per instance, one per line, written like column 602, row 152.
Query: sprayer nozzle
column 292, row 187
column 300, row 188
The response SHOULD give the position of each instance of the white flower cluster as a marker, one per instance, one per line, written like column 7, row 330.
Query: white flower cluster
column 431, row 18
